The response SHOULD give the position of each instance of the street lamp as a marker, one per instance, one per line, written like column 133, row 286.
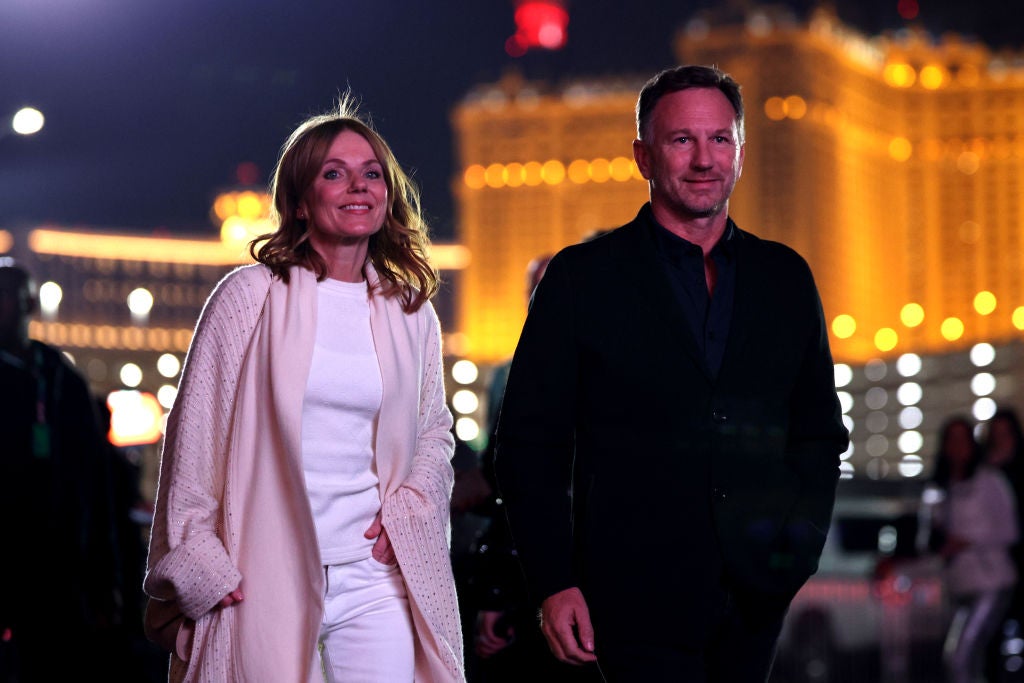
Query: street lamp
column 26, row 121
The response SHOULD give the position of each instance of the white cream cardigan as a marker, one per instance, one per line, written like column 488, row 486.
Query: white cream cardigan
column 231, row 505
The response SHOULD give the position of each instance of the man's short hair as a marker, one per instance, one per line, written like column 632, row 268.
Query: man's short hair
column 681, row 78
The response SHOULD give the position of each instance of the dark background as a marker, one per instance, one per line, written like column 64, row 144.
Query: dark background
column 151, row 106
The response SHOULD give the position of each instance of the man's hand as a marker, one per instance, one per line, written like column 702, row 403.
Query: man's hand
column 565, row 621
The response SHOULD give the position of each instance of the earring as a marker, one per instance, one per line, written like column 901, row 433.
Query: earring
column 300, row 214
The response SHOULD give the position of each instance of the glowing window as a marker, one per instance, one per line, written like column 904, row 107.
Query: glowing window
column 909, row 393
column 985, row 302
column 912, row 315
column 911, row 417
column 168, row 365
column 908, row 365
column 465, row 401
column 911, row 466
column 983, row 384
column 466, row 428
column 843, row 326
column 886, row 339
column 464, row 371
column 910, row 442
column 983, row 354
column 984, row 408
column 952, row 329
column 131, row 375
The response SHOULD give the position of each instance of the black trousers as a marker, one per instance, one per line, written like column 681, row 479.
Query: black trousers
column 739, row 647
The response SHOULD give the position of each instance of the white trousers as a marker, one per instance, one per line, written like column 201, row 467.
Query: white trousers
column 367, row 631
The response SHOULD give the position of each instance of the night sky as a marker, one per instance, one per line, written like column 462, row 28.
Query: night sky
column 151, row 106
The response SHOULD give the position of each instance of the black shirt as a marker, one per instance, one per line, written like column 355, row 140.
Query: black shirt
column 708, row 316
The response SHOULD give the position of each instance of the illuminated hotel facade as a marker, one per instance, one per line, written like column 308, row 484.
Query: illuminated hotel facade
column 895, row 165
column 123, row 306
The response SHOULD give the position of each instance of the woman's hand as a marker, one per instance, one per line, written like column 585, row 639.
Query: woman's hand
column 382, row 550
column 231, row 598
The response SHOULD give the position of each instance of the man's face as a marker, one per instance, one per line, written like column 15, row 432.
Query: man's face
column 692, row 154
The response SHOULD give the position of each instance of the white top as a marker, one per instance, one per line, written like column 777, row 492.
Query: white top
column 339, row 420
column 982, row 510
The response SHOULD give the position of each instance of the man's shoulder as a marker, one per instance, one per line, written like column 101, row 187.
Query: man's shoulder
column 770, row 253
column 601, row 245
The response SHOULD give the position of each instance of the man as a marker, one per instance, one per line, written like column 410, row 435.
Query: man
column 57, row 578
column 676, row 373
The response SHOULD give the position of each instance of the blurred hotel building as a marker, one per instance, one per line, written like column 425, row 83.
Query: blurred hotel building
column 123, row 306
column 894, row 164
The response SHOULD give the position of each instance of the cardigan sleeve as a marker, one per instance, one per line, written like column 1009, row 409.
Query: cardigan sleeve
column 188, row 567
column 417, row 514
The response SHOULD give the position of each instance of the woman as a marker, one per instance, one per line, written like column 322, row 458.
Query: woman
column 302, row 515
column 978, row 521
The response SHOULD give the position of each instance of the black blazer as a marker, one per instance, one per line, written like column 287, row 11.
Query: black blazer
column 678, row 479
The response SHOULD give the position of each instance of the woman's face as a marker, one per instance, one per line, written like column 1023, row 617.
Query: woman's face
column 348, row 201
column 959, row 445
column 1002, row 441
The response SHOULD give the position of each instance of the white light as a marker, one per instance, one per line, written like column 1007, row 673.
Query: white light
column 909, row 364
column 140, row 301
column 911, row 417
column 933, row 495
column 131, row 375
column 845, row 470
column 909, row 393
column 845, row 401
column 984, row 409
column 876, row 445
column 466, row 428
column 168, row 365
column 845, row 455
column 911, row 466
column 843, row 374
column 983, row 384
column 166, row 395
column 465, row 401
column 982, row 354
column 875, row 369
column 464, row 372
column 887, row 538
column 50, row 295
column 910, row 442
column 28, row 121
column 848, row 423
column 876, row 398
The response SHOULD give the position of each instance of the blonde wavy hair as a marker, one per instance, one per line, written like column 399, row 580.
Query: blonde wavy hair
column 398, row 251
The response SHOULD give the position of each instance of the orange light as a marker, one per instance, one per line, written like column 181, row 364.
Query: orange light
column 475, row 177
column 135, row 418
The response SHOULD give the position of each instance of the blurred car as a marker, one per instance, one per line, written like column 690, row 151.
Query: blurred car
column 876, row 610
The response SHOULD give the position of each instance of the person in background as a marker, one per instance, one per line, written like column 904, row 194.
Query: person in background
column 1004, row 448
column 302, row 515
column 507, row 641
column 59, row 592
column 976, row 524
column 675, row 376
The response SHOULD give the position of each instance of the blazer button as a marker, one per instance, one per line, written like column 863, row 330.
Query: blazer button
column 719, row 416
